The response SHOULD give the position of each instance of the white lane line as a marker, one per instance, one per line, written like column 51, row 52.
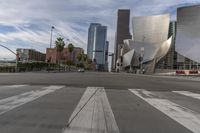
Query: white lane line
column 186, row 117
column 14, row 86
column 189, row 94
column 93, row 114
column 10, row 103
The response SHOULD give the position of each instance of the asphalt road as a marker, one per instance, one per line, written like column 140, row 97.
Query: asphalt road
column 107, row 80
column 45, row 102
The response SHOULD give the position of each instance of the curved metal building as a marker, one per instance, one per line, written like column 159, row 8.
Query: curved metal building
column 150, row 42
column 151, row 52
column 151, row 29
column 188, row 32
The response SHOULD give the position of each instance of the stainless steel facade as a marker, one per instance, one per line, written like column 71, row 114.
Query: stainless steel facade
column 188, row 32
column 151, row 29
column 170, row 60
column 151, row 52
column 150, row 42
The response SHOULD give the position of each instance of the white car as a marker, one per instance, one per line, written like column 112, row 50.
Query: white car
column 81, row 70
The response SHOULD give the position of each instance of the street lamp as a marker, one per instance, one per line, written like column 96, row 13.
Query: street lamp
column 141, row 59
column 52, row 27
column 67, row 41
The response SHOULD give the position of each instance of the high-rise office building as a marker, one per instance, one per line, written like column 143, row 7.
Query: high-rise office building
column 90, row 43
column 122, row 33
column 97, row 45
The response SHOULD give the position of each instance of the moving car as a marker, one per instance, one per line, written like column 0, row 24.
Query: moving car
column 81, row 70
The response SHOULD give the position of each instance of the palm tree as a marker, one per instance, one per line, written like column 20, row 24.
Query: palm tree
column 70, row 48
column 85, row 57
column 60, row 44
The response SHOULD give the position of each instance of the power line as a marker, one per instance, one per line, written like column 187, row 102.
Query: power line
column 61, row 34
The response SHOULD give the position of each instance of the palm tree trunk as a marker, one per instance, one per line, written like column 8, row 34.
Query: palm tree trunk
column 70, row 60
column 59, row 61
column 59, row 66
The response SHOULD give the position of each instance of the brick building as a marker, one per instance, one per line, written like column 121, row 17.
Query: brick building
column 52, row 55
column 30, row 55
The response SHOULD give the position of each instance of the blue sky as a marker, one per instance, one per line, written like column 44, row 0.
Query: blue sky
column 27, row 23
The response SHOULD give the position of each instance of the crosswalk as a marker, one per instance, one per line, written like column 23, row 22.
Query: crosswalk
column 12, row 102
column 185, row 116
column 92, row 114
column 189, row 94
column 95, row 113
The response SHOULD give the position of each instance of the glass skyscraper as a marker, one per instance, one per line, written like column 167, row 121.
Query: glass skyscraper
column 96, row 50
column 90, row 43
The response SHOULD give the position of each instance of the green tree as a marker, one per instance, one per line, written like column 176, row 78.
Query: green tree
column 69, row 64
column 60, row 44
column 89, row 61
column 85, row 57
column 79, row 57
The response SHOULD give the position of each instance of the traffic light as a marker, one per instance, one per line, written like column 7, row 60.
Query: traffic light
column 17, row 57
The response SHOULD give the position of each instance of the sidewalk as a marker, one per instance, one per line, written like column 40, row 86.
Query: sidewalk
column 168, row 75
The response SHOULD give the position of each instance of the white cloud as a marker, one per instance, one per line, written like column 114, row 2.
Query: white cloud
column 71, row 17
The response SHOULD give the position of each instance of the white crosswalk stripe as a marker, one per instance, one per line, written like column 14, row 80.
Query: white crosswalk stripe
column 189, row 94
column 12, row 102
column 12, row 86
column 93, row 114
column 185, row 116
column 15, row 86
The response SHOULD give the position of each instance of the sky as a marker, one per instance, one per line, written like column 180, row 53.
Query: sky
column 27, row 23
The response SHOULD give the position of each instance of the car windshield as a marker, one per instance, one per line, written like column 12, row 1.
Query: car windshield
column 99, row 66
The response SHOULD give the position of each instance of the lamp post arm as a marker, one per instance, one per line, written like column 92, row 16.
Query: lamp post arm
column 16, row 69
column 8, row 49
